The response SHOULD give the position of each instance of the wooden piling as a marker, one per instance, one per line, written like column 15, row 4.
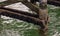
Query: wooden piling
column 43, row 15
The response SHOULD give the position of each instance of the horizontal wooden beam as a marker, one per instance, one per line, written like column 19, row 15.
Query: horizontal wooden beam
column 9, row 2
column 28, row 4
column 21, row 12
column 26, row 18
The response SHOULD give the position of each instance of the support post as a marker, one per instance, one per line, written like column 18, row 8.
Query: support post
column 43, row 14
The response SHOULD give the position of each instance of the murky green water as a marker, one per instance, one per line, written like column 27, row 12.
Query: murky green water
column 54, row 26
column 9, row 26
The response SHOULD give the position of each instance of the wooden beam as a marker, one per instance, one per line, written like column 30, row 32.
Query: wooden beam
column 43, row 14
column 31, row 6
column 28, row 4
column 9, row 2
column 26, row 18
column 21, row 12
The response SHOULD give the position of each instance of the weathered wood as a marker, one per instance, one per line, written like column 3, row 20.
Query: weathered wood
column 30, row 19
column 9, row 2
column 28, row 4
column 21, row 12
column 43, row 13
column 31, row 6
